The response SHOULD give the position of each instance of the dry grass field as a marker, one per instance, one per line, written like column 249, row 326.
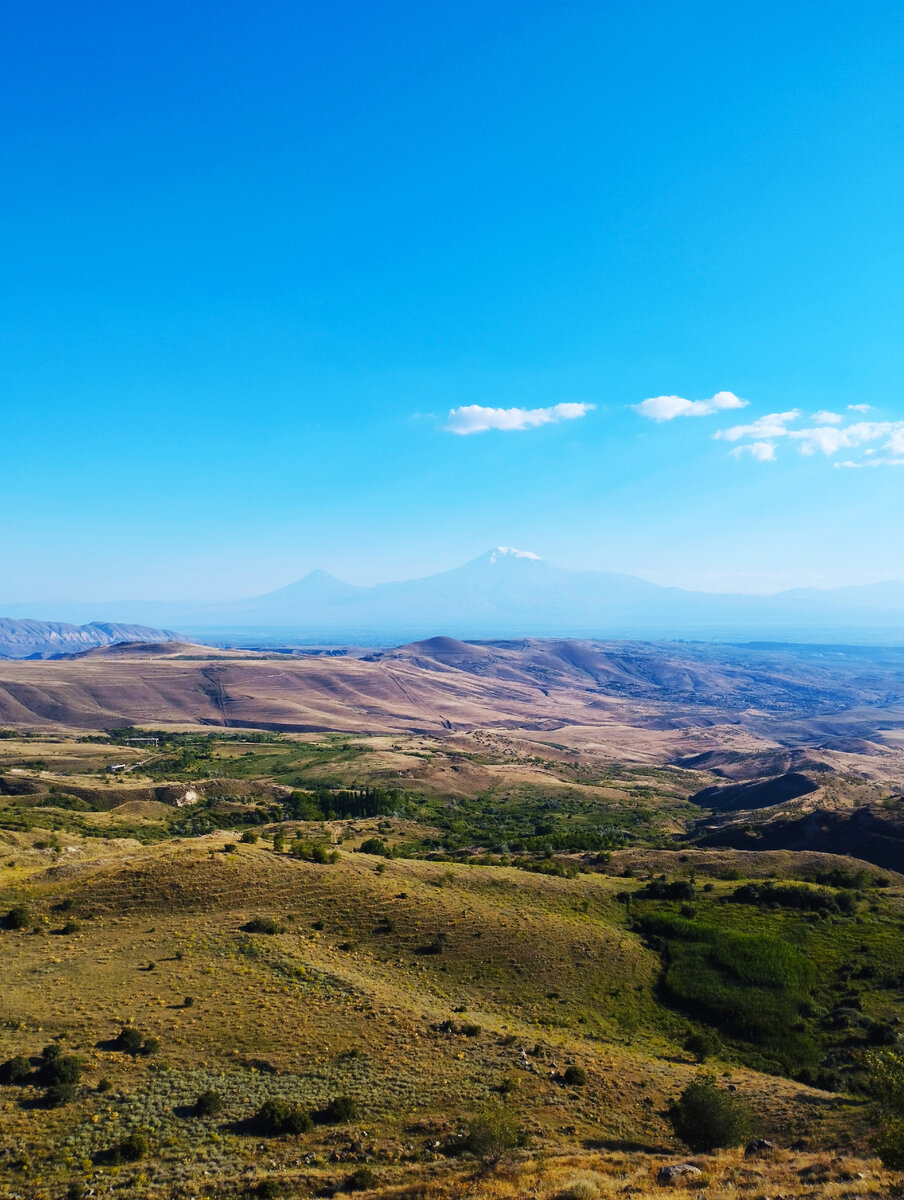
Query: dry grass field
column 533, row 932
column 348, row 999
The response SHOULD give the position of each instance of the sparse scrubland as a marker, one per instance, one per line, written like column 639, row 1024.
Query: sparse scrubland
column 492, row 964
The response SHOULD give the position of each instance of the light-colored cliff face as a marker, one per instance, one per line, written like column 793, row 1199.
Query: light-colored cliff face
column 46, row 639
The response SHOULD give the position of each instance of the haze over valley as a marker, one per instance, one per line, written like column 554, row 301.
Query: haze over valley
column 509, row 593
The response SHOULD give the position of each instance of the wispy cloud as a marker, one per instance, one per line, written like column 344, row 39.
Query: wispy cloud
column 474, row 418
column 666, row 408
column 763, row 451
column 827, row 437
column 771, row 426
column 860, row 408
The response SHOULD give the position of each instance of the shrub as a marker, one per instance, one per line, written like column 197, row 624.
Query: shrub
column 707, row 1118
column 436, row 945
column 208, row 1104
column 886, row 1084
column 493, row 1133
column 575, row 1076
column 131, row 1148
column 263, row 925
column 59, row 1094
column 103, row 1085
column 70, row 927
column 277, row 1117
column 150, row 1046
column 249, row 837
column 337, row 1112
column 701, row 1044
column 374, row 845
column 360, row 1180
column 580, row 1189
column 60, row 1070
column 18, row 917
column 663, row 889
column 15, row 1071
column 128, row 1040
column 279, row 841
column 323, row 854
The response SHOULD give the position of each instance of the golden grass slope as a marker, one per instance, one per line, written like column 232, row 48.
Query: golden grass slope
column 345, row 1001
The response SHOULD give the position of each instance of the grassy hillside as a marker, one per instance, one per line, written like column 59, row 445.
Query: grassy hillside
column 411, row 987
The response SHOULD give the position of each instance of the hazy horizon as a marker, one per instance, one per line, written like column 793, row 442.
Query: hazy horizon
column 252, row 592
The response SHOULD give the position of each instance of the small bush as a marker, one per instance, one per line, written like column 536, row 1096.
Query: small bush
column 59, row 1094
column 263, row 925
column 150, row 1046
column 60, row 1070
column 104, row 1085
column 338, row 1111
column 128, row 1040
column 70, row 927
column 131, row 1148
column 580, row 1189
column 249, row 837
column 702, row 1045
column 493, row 1133
column 208, row 1104
column 374, row 845
column 575, row 1076
column 360, row 1180
column 15, row 1071
column 707, row 1118
column 436, row 945
column 663, row 889
column 18, row 917
column 279, row 1117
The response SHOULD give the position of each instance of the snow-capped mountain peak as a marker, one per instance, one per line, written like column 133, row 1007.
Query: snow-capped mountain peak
column 511, row 552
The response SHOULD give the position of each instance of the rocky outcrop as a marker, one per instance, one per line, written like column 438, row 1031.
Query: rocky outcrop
column 52, row 639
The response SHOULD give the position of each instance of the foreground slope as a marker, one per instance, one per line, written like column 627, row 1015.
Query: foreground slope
column 347, row 997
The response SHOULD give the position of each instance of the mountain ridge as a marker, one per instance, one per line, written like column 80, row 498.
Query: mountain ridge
column 514, row 593
column 51, row 639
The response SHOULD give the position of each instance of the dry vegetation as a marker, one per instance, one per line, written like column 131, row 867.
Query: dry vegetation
column 523, row 937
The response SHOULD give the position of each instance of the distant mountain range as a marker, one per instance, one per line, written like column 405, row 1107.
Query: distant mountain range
column 55, row 639
column 512, row 593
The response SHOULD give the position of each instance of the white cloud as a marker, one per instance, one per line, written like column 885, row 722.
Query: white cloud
column 859, row 407
column 770, row 426
column 474, row 418
column 666, row 408
column 827, row 418
column 827, row 438
column 762, row 451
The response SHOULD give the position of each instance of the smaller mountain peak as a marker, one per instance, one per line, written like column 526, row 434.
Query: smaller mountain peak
column 511, row 552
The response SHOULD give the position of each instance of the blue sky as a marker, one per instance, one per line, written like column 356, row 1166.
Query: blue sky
column 255, row 255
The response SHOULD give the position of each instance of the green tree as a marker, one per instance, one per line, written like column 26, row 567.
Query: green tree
column 886, row 1083
column 707, row 1118
column 493, row 1133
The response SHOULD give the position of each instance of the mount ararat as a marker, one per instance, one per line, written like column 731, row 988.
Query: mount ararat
column 512, row 593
